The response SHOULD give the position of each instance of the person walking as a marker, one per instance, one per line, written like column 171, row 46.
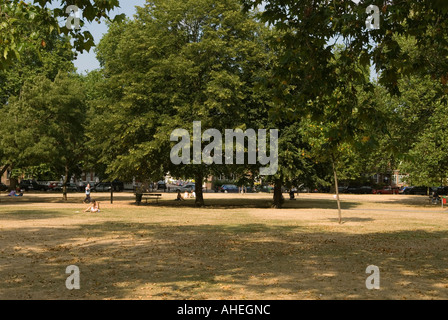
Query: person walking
column 87, row 199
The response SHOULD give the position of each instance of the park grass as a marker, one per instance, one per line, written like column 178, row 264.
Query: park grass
column 236, row 247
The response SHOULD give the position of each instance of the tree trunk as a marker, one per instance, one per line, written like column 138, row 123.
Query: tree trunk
column 146, row 186
column 13, row 184
column 337, row 192
column 199, row 201
column 111, row 192
column 278, row 199
column 3, row 170
column 64, row 185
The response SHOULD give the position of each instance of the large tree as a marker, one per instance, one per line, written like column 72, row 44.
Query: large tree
column 311, row 31
column 44, row 125
column 56, row 57
column 414, row 119
column 177, row 63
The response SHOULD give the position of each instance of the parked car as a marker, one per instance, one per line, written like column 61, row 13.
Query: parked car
column 353, row 190
column 118, row 185
column 101, row 187
column 161, row 185
column 342, row 189
column 416, row 190
column 268, row 189
column 71, row 187
column 403, row 189
column 106, row 186
column 229, row 188
column 407, row 190
column 360, row 190
column 365, row 190
column 248, row 189
column 423, row 191
column 53, row 185
column 321, row 189
column 189, row 187
column 386, row 190
column 32, row 185
column 3, row 187
column 442, row 191
column 82, row 186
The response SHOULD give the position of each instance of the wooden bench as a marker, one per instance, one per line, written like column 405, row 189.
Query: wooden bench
column 147, row 196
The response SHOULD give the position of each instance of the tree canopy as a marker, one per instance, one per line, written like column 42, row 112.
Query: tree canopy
column 313, row 27
column 303, row 67
column 27, row 26
column 177, row 63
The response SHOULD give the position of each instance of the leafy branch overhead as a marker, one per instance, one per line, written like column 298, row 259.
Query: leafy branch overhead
column 25, row 26
column 313, row 27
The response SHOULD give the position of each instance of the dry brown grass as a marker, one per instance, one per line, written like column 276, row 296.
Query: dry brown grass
column 237, row 247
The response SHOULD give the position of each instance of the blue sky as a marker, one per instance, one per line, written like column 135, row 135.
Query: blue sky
column 88, row 61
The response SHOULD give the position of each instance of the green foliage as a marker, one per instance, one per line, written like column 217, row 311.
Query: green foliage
column 312, row 28
column 26, row 27
column 423, row 123
column 328, row 86
column 414, row 135
column 178, row 62
column 40, row 172
column 184, row 61
column 44, row 125
column 56, row 57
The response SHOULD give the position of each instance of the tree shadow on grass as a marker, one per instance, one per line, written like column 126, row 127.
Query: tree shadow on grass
column 351, row 219
column 33, row 214
column 167, row 200
column 412, row 201
column 122, row 260
column 72, row 198
column 261, row 203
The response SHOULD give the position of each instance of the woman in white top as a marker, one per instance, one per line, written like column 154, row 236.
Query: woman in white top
column 94, row 207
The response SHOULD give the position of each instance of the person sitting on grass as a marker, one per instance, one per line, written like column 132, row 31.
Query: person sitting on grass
column 15, row 193
column 94, row 207
column 179, row 197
